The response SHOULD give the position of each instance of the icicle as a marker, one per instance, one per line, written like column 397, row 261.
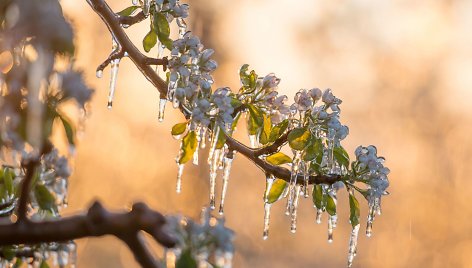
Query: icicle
column 99, row 73
column 293, row 225
column 162, row 108
column 269, row 181
column 267, row 207
column 370, row 219
column 226, row 171
column 182, row 27
column 146, row 7
column 203, row 137
column 330, row 229
column 306, row 179
column 293, row 181
column 254, row 141
column 213, row 170
column 352, row 245
column 195, row 154
column 214, row 141
column 221, row 157
column 319, row 213
column 72, row 254
column 114, row 75
column 160, row 50
column 180, row 171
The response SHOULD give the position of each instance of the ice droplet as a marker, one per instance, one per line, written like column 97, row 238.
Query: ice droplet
column 254, row 141
column 180, row 171
column 319, row 213
column 134, row 2
column 269, row 181
column 330, row 229
column 99, row 73
column 115, row 64
column 352, row 245
column 214, row 141
column 226, row 171
column 370, row 219
column 203, row 137
column 267, row 207
column 162, row 108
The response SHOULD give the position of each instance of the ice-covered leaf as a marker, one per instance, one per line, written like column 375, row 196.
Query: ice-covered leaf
column 8, row 252
column 255, row 119
column 161, row 26
column 299, row 138
column 8, row 176
column 189, row 145
column 318, row 196
column 179, row 128
column 44, row 264
column 314, row 149
column 221, row 139
column 128, row 11
column 355, row 211
column 186, row 260
column 279, row 158
column 149, row 40
column 276, row 191
column 68, row 129
column 330, row 205
column 266, row 128
column 278, row 130
column 341, row 156
column 45, row 199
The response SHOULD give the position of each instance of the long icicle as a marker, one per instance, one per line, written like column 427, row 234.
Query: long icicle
column 162, row 108
column 214, row 141
column 114, row 75
column 267, row 207
column 353, row 245
column 293, row 225
column 213, row 173
column 180, row 171
column 228, row 159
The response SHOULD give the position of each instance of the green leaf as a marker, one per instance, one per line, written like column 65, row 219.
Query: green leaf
column 314, row 149
column 8, row 252
column 341, row 156
column 161, row 26
column 128, row 11
column 186, row 260
column 44, row 264
column 18, row 263
column 355, row 211
column 255, row 119
column 189, row 145
column 68, row 129
column 221, row 139
column 45, row 199
column 266, row 127
column 8, row 180
column 235, row 121
column 299, row 138
column 330, row 205
column 318, row 196
column 235, row 103
column 149, row 41
column 275, row 192
column 278, row 130
column 179, row 128
column 243, row 74
column 279, row 158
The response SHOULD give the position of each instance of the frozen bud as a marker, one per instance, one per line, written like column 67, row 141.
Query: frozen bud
column 206, row 54
column 184, row 71
column 303, row 101
column 180, row 11
column 315, row 93
column 179, row 93
column 203, row 104
column 323, row 115
column 270, row 81
column 73, row 86
column 210, row 66
column 342, row 132
column 328, row 96
column 193, row 41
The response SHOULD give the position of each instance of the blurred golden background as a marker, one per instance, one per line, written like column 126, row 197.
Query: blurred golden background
column 403, row 70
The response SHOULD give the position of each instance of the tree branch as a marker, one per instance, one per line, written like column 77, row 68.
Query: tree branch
column 127, row 21
column 97, row 222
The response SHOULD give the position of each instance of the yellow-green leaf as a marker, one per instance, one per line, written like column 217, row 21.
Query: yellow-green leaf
column 278, row 130
column 299, row 138
column 68, row 129
column 330, row 205
column 279, row 158
column 318, row 196
column 354, row 210
column 161, row 26
column 314, row 149
column 128, row 11
column 341, row 156
column 179, row 128
column 255, row 119
column 44, row 198
column 276, row 191
column 8, row 180
column 189, row 145
column 44, row 264
column 221, row 139
column 149, row 40
column 266, row 127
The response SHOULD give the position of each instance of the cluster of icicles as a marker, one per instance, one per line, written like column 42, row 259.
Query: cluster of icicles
column 218, row 159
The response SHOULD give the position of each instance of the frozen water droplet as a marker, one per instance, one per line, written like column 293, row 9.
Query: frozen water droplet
column 203, row 137
column 179, row 178
column 162, row 108
column 353, row 245
column 319, row 213
column 368, row 230
column 330, row 229
column 99, row 73
column 115, row 64
column 109, row 105
column 214, row 141
column 226, row 171
column 267, row 207
column 134, row 2
column 254, row 141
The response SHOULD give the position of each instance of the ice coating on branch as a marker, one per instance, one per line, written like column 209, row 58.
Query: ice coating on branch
column 228, row 159
column 353, row 245
column 265, row 234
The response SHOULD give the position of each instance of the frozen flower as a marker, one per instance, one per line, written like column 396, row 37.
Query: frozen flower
column 270, row 81
column 303, row 100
